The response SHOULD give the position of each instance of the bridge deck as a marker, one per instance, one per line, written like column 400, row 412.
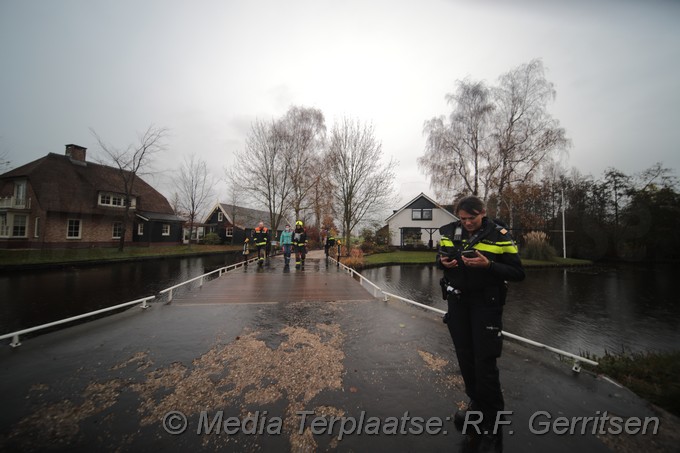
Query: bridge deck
column 274, row 283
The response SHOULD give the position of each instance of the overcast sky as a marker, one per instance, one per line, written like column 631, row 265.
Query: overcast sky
column 207, row 69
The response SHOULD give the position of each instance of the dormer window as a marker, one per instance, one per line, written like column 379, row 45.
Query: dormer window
column 19, row 193
column 115, row 200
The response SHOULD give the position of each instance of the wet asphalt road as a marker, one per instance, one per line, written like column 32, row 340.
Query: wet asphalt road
column 286, row 360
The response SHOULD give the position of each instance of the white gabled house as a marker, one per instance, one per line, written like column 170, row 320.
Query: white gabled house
column 418, row 222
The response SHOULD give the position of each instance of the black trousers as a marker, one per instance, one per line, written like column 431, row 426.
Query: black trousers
column 300, row 253
column 475, row 323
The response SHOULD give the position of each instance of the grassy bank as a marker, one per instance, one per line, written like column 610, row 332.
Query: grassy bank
column 64, row 256
column 652, row 376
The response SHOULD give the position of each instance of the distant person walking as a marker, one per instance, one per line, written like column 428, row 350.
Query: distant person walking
column 246, row 250
column 330, row 243
column 300, row 243
column 261, row 239
column 286, row 241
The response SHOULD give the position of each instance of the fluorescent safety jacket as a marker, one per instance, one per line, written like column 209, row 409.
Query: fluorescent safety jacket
column 260, row 236
column 494, row 242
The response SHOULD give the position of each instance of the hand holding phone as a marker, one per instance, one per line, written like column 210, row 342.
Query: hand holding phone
column 469, row 253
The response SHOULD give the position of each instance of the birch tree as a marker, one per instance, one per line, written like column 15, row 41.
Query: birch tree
column 494, row 137
column 525, row 134
column 457, row 149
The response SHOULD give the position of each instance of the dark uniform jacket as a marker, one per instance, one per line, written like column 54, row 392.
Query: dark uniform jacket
column 261, row 236
column 299, row 237
column 494, row 242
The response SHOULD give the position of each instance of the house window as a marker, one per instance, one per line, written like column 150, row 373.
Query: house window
column 220, row 217
column 140, row 229
column 421, row 214
column 36, row 228
column 411, row 236
column 20, row 193
column 117, row 230
column 166, row 229
column 114, row 200
column 4, row 227
column 230, row 232
column 19, row 226
column 73, row 229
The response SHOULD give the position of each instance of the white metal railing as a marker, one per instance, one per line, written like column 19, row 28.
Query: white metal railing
column 577, row 360
column 201, row 278
column 15, row 335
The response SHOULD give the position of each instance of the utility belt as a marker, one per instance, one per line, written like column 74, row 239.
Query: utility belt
column 448, row 289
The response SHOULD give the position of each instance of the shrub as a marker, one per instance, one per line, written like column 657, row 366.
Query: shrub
column 368, row 247
column 652, row 375
column 536, row 247
column 355, row 259
column 211, row 239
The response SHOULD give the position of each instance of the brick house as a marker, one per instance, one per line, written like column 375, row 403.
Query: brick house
column 63, row 201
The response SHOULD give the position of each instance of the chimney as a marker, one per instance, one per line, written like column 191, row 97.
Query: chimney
column 76, row 153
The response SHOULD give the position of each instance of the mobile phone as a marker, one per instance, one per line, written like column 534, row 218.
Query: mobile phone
column 469, row 253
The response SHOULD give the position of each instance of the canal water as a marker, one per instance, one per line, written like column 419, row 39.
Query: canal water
column 598, row 309
column 31, row 298
column 631, row 308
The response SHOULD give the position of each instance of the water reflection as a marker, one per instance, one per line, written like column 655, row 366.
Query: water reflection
column 616, row 308
column 37, row 297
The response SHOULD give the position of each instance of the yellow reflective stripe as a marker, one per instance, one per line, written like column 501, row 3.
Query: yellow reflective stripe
column 496, row 248
column 446, row 242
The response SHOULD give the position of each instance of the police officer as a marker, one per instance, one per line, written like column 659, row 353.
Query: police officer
column 261, row 239
column 300, row 244
column 478, row 256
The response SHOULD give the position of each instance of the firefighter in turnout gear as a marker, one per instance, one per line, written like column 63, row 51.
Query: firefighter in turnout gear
column 478, row 257
column 300, row 244
column 330, row 243
column 260, row 237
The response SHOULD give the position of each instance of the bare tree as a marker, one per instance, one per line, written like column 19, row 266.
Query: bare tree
column 456, row 157
column 321, row 193
column 262, row 169
column 495, row 137
column 4, row 162
column 364, row 186
column 525, row 133
column 131, row 162
column 304, row 132
column 235, row 197
column 195, row 189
